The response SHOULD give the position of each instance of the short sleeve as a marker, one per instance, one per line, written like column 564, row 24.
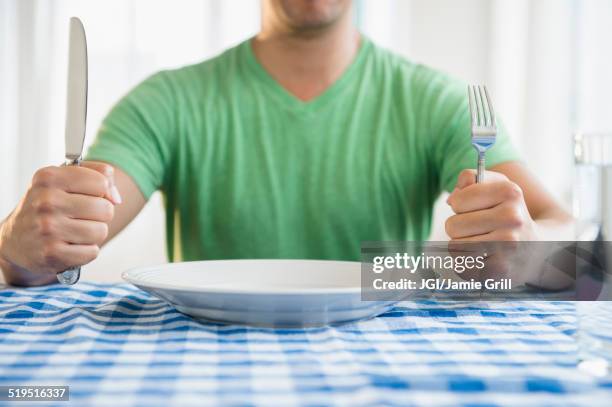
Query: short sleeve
column 451, row 134
column 137, row 135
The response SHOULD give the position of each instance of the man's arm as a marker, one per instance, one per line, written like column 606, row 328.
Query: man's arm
column 510, row 205
column 67, row 214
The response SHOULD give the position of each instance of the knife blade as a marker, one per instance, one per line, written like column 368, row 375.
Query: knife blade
column 76, row 112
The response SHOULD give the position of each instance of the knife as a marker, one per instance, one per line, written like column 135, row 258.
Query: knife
column 76, row 113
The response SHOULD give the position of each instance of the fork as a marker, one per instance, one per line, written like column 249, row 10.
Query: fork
column 484, row 127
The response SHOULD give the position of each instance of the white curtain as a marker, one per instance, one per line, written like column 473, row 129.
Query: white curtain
column 8, row 119
column 593, row 87
column 547, row 63
column 127, row 41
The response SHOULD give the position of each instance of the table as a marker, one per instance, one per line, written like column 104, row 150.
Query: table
column 116, row 345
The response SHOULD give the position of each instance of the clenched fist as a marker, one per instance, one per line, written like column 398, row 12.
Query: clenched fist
column 61, row 222
column 494, row 210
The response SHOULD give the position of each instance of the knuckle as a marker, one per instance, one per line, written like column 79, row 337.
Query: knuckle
column 91, row 253
column 454, row 205
column 517, row 221
column 100, row 166
column 46, row 225
column 107, row 169
column 107, row 211
column 510, row 236
column 44, row 201
column 457, row 206
column 45, row 176
column 102, row 210
column 513, row 216
column 100, row 183
column 51, row 255
column 513, row 191
column 465, row 175
column 101, row 233
column 499, row 175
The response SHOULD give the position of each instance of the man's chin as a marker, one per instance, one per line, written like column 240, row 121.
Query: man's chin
column 311, row 17
column 312, row 25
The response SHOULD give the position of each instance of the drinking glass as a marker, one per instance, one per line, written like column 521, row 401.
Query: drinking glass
column 593, row 213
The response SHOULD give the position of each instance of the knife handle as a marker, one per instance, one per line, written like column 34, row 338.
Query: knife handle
column 71, row 275
column 75, row 161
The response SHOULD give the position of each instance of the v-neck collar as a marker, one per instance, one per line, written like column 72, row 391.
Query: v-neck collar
column 289, row 100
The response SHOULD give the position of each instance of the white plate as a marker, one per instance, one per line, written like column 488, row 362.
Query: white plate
column 262, row 292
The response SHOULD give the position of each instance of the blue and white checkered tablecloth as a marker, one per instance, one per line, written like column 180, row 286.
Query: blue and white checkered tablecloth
column 116, row 345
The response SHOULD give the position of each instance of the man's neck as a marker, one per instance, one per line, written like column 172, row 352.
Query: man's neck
column 306, row 64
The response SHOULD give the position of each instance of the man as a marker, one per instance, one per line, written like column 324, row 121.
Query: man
column 299, row 143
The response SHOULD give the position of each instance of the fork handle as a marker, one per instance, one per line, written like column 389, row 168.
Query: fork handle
column 481, row 168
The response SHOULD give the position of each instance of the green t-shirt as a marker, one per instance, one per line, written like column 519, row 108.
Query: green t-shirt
column 249, row 171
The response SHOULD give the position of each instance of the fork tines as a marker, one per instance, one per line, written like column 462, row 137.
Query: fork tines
column 481, row 107
column 484, row 127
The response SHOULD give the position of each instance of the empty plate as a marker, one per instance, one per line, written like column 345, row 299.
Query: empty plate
column 261, row 292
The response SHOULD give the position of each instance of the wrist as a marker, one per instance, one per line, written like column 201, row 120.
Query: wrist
column 555, row 229
column 6, row 266
column 12, row 273
column 3, row 260
column 6, row 269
